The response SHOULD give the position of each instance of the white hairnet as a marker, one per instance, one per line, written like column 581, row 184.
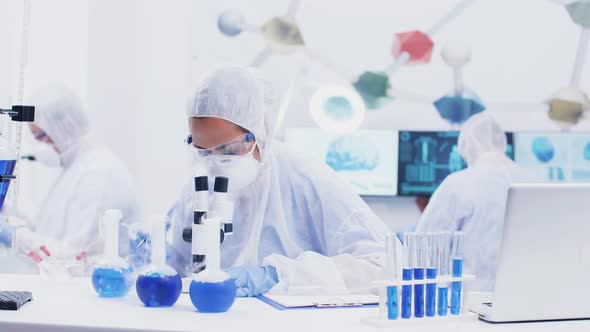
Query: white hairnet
column 238, row 95
column 481, row 135
column 60, row 114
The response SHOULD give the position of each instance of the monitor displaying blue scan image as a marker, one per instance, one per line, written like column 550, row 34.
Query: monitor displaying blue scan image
column 426, row 158
column 579, row 157
column 365, row 158
column 554, row 157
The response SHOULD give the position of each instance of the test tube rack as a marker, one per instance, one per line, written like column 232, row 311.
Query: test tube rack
column 381, row 320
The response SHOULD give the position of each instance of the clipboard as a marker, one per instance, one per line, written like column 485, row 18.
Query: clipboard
column 287, row 302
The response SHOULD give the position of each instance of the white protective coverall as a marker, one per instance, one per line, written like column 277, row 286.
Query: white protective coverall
column 474, row 200
column 297, row 216
column 93, row 178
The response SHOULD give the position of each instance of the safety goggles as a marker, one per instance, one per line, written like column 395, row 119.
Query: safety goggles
column 40, row 135
column 235, row 147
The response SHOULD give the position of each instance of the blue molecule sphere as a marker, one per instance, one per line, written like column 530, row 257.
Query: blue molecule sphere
column 213, row 297
column 230, row 23
column 338, row 108
column 543, row 149
column 457, row 109
column 155, row 289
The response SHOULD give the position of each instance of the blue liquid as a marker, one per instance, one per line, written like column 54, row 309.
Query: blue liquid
column 456, row 286
column 210, row 297
column 407, row 294
column 431, row 293
column 6, row 168
column 392, row 308
column 112, row 282
column 418, row 294
column 443, row 301
column 158, row 290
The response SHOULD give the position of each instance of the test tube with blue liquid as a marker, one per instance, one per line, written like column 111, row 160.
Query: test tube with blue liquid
column 431, row 273
column 391, row 273
column 407, row 274
column 457, row 270
column 444, row 255
column 420, row 249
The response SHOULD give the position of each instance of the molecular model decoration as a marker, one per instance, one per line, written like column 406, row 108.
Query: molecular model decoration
column 569, row 103
column 341, row 109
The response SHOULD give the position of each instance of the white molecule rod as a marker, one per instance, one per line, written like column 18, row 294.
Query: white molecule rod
column 580, row 57
column 401, row 60
column 456, row 56
column 293, row 8
column 451, row 14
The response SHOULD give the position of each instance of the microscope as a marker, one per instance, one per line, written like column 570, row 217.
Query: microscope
column 217, row 206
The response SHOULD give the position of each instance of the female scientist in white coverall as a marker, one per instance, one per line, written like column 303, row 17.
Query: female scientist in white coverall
column 93, row 179
column 474, row 200
column 298, row 228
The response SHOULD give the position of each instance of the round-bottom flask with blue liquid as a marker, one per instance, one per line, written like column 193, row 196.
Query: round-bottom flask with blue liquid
column 112, row 277
column 213, row 292
column 158, row 286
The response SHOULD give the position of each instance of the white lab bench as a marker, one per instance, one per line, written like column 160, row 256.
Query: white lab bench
column 72, row 305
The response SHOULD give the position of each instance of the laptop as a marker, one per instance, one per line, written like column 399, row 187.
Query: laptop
column 544, row 261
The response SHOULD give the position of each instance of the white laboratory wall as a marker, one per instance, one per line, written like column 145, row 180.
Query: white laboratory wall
column 137, row 82
column 112, row 75
column 162, row 89
column 8, row 35
column 57, row 48
column 133, row 60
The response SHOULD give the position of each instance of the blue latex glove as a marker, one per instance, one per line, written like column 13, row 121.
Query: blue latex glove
column 139, row 249
column 253, row 280
column 5, row 234
column 407, row 229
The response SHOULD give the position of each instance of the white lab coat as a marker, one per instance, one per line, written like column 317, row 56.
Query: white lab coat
column 474, row 201
column 93, row 181
column 302, row 219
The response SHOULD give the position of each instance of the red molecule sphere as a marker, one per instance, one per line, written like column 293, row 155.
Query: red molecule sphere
column 417, row 44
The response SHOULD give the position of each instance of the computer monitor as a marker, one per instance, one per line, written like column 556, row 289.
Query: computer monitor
column 553, row 156
column 365, row 158
column 426, row 158
column 580, row 157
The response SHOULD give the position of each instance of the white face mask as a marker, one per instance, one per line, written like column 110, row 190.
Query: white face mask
column 45, row 154
column 240, row 170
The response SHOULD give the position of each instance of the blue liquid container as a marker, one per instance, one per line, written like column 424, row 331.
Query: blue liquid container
column 159, row 287
column 431, row 293
column 418, row 294
column 392, row 306
column 443, row 301
column 213, row 297
column 456, row 286
column 407, row 294
column 112, row 281
column 6, row 168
